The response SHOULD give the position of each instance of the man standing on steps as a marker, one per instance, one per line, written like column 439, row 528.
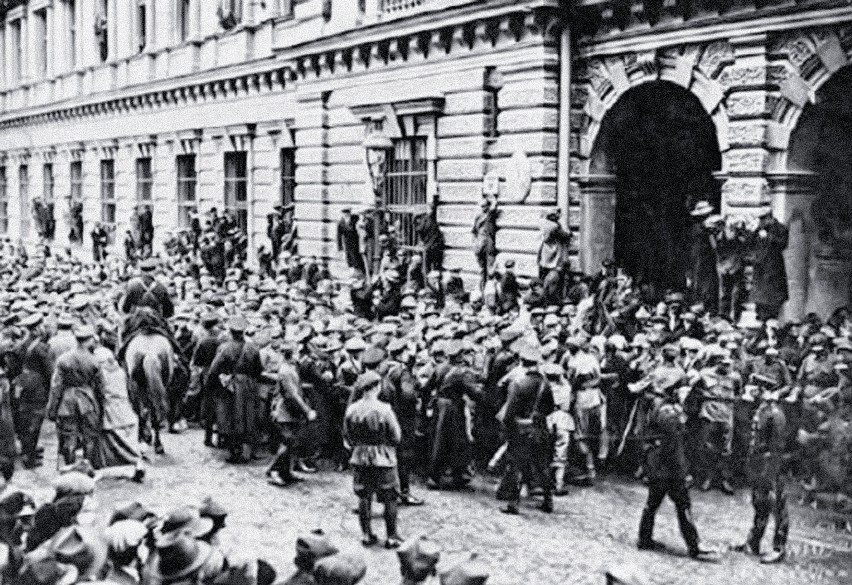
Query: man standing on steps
column 373, row 433
column 665, row 463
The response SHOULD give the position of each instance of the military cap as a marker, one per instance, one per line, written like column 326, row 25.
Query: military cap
column 396, row 345
column 31, row 320
column 84, row 332
column 149, row 264
column 550, row 320
column 537, row 311
column 238, row 324
column 355, row 344
column 453, row 347
column 530, row 353
column 132, row 511
column 210, row 508
column 372, row 356
column 333, row 344
column 367, row 380
column 210, row 317
column 340, row 569
column 124, row 535
column 551, row 369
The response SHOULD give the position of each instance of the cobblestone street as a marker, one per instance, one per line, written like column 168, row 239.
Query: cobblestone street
column 592, row 531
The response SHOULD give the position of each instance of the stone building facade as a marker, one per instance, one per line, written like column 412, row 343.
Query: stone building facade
column 244, row 104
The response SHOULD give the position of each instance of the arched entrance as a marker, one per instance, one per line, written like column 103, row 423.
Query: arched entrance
column 820, row 146
column 659, row 144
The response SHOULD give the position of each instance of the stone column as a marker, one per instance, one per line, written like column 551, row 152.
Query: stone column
column 62, row 197
column 164, row 196
column 125, row 190
column 792, row 197
column 597, row 221
column 210, row 164
column 266, row 184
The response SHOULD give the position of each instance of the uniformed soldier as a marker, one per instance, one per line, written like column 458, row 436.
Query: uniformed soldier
column 665, row 464
column 765, row 454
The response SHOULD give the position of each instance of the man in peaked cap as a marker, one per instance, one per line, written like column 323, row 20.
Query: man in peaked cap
column 144, row 290
column 400, row 390
column 530, row 401
column 373, row 431
column 202, row 358
column 33, row 389
column 340, row 569
column 75, row 402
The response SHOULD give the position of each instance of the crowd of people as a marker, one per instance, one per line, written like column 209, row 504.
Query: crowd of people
column 62, row 542
column 404, row 370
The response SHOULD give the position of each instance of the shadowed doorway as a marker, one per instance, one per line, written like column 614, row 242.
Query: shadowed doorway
column 660, row 144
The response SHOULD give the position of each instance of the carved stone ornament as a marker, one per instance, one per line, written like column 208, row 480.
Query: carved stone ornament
column 518, row 177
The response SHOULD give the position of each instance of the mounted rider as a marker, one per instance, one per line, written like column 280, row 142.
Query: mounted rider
column 147, row 305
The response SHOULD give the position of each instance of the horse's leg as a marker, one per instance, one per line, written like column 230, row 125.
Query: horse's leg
column 156, row 392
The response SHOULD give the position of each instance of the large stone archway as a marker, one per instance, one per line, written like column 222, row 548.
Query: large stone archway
column 660, row 146
column 814, row 81
column 694, row 71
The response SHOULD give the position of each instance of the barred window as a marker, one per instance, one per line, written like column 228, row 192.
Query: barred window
column 108, row 203
column 186, row 180
column 4, row 202
column 404, row 187
column 236, row 187
column 288, row 175
column 144, row 182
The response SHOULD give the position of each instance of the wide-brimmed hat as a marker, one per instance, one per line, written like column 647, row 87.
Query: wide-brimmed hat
column 418, row 558
column 184, row 520
column 340, row 569
column 701, row 208
column 82, row 547
column 312, row 547
column 179, row 557
column 470, row 572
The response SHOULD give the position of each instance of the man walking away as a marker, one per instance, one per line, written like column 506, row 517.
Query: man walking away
column 373, row 432
column 76, row 399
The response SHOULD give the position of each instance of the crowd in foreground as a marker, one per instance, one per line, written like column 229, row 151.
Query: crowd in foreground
column 59, row 543
column 403, row 373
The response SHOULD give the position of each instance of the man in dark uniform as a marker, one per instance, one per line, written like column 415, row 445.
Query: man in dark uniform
column 665, row 465
column 485, row 238
column 33, row 389
column 373, row 432
column 529, row 402
column 145, row 290
column 769, row 286
column 347, row 239
column 76, row 399
column 765, row 456
column 486, row 427
column 202, row 357
column 450, row 445
column 702, row 279
column 399, row 389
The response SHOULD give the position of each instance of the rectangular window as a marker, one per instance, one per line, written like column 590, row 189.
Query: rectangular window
column 47, row 182
column 186, row 179
column 141, row 25
column 101, row 30
column 75, row 174
column 24, row 199
column 183, row 18
column 236, row 187
column 144, row 182
column 4, row 202
column 72, row 33
column 108, row 191
column 288, row 175
column 40, row 31
column 404, row 187
column 17, row 56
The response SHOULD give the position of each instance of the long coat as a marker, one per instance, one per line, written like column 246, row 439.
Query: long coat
column 236, row 404
column 770, row 275
column 347, row 242
column 451, row 446
column 702, row 266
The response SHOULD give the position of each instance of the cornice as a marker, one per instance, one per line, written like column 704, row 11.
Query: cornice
column 709, row 28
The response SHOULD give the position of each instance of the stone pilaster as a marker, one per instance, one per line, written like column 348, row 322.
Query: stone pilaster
column 744, row 162
column 314, row 213
column 61, row 196
column 125, row 190
column 597, row 221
